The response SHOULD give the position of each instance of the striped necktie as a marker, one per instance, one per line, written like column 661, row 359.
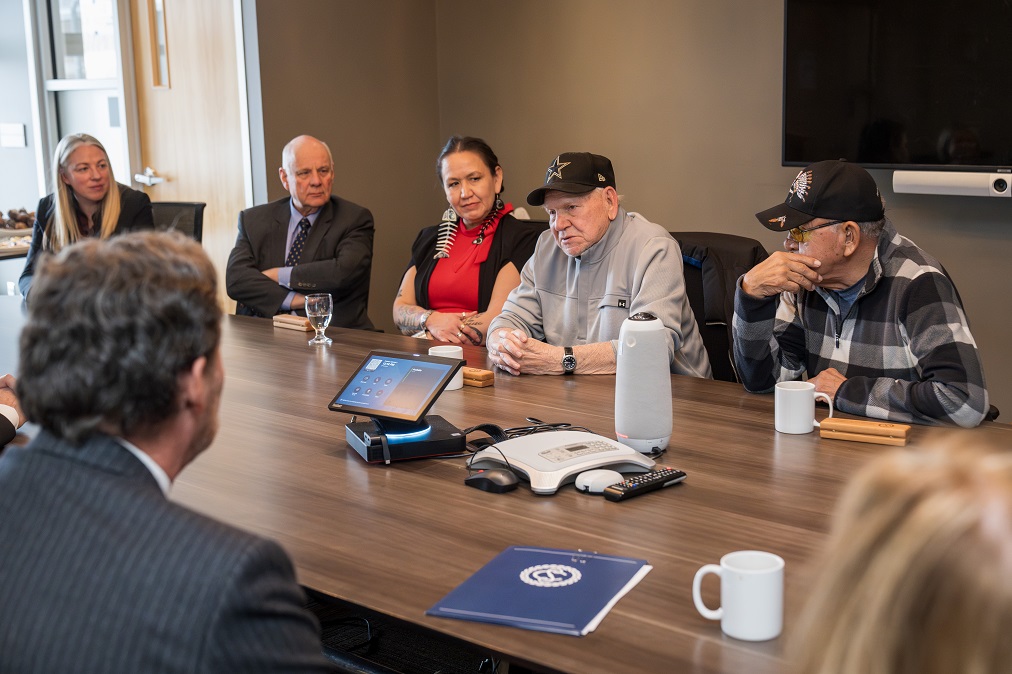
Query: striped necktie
column 300, row 240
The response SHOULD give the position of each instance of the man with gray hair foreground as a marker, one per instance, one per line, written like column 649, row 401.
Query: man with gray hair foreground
column 873, row 320
column 101, row 572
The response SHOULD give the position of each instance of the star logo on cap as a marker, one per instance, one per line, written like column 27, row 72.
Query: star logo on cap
column 556, row 169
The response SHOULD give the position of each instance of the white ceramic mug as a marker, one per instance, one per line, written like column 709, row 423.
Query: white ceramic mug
column 751, row 595
column 451, row 351
column 795, row 407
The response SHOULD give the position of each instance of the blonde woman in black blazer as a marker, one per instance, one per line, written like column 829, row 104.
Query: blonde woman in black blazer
column 86, row 202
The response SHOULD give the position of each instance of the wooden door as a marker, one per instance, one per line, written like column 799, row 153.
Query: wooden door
column 190, row 129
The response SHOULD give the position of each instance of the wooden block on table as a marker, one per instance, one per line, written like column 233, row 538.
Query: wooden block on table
column 859, row 426
column 899, row 441
column 480, row 383
column 477, row 374
column 289, row 322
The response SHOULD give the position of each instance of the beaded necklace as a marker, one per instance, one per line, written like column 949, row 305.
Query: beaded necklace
column 448, row 231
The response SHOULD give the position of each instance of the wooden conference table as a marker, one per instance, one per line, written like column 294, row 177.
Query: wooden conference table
column 395, row 539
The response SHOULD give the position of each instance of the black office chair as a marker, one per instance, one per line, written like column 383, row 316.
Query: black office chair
column 712, row 263
column 360, row 641
column 183, row 216
column 536, row 226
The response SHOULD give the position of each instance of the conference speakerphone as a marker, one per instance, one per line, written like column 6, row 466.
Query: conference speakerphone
column 396, row 390
column 550, row 460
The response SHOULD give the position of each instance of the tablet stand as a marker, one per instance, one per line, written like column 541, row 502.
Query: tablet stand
column 382, row 440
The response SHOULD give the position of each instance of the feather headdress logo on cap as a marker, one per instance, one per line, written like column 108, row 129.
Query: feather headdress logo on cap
column 801, row 185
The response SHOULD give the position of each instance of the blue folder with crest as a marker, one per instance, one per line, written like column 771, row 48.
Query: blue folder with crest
column 563, row 591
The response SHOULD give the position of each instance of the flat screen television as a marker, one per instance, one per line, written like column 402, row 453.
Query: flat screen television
column 901, row 84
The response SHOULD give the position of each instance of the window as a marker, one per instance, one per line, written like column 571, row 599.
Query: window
column 83, row 78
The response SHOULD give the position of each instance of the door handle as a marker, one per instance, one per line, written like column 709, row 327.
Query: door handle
column 148, row 177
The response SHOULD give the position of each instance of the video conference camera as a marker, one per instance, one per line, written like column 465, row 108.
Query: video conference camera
column 970, row 184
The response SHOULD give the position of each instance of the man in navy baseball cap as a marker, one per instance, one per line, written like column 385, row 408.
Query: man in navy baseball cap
column 859, row 310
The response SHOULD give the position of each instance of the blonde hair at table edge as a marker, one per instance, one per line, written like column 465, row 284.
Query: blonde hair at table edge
column 917, row 572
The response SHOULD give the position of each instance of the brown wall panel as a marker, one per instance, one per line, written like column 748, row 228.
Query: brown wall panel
column 685, row 97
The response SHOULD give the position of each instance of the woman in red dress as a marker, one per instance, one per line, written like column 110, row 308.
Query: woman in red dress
column 463, row 269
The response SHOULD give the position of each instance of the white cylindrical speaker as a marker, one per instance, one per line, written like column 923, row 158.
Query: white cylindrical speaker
column 643, row 384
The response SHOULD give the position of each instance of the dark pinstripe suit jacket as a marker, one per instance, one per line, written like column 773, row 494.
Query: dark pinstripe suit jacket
column 336, row 259
column 99, row 572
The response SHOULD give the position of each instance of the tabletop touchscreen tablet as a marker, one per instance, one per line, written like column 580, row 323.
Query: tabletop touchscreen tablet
column 393, row 385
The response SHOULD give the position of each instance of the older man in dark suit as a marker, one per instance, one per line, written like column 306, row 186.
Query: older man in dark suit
column 99, row 571
column 310, row 242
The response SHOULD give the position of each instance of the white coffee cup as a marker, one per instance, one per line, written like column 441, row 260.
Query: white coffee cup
column 450, row 351
column 795, row 407
column 751, row 595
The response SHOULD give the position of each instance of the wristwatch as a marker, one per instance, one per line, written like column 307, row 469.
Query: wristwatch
column 568, row 361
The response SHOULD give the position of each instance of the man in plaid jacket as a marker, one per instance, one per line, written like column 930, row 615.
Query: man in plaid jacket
column 870, row 318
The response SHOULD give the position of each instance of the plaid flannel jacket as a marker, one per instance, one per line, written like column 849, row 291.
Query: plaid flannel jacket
column 905, row 346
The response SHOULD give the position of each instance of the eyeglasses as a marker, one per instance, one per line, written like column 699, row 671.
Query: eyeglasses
column 803, row 235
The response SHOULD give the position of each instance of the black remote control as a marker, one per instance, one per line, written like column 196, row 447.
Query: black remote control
column 643, row 483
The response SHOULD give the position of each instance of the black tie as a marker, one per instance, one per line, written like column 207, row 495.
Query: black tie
column 300, row 240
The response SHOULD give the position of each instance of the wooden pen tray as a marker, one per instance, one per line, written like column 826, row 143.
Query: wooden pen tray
column 857, row 430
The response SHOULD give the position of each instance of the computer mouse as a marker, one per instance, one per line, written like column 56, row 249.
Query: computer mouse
column 596, row 481
column 496, row 480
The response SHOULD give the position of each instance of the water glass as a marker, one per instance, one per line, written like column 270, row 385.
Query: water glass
column 319, row 309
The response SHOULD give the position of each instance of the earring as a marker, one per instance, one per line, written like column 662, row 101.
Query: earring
column 499, row 205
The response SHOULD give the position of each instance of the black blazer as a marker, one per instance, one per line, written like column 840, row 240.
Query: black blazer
column 514, row 241
column 101, row 572
column 336, row 259
column 134, row 214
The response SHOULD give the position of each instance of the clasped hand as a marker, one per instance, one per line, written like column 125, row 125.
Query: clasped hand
column 514, row 352
column 7, row 397
column 452, row 328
